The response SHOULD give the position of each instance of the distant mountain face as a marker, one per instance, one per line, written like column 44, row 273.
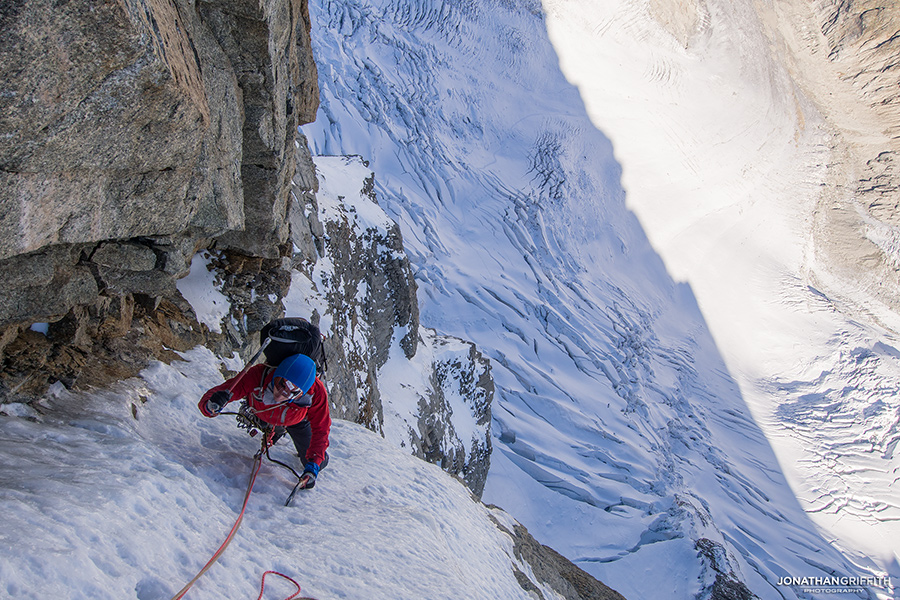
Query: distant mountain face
column 757, row 155
column 843, row 56
column 622, row 436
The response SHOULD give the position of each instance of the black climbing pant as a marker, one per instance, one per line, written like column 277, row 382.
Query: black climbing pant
column 301, row 435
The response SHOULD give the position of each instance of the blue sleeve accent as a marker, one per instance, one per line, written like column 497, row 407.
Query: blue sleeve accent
column 311, row 467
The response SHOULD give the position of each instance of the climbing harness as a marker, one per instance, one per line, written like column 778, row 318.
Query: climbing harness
column 247, row 420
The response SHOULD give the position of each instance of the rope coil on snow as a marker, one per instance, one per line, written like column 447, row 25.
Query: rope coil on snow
column 262, row 587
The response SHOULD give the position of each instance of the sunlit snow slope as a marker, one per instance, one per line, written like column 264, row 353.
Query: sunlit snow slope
column 725, row 162
column 623, row 436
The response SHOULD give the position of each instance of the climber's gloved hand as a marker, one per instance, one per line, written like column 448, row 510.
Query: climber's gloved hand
column 308, row 479
column 217, row 402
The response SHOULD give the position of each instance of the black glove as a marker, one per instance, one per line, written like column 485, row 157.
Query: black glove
column 217, row 401
column 308, row 479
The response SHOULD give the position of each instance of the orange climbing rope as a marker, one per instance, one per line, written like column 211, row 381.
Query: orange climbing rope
column 257, row 463
column 262, row 587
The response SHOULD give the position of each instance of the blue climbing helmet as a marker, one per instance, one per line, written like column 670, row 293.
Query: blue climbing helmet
column 299, row 370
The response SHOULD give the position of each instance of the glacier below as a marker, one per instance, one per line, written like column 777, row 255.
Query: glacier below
column 679, row 407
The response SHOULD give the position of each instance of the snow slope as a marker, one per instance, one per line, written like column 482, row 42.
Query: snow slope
column 640, row 381
column 725, row 162
column 127, row 493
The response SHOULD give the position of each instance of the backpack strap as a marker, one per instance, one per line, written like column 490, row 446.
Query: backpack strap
column 265, row 373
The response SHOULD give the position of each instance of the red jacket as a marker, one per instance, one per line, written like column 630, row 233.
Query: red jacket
column 252, row 386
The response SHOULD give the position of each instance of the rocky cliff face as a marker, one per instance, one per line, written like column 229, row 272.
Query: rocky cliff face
column 353, row 275
column 844, row 56
column 543, row 564
column 132, row 134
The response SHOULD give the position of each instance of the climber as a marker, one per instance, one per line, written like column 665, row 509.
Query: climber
column 289, row 397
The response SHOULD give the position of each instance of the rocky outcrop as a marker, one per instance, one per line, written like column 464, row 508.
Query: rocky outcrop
column 542, row 566
column 725, row 584
column 453, row 425
column 365, row 284
column 132, row 134
column 354, row 279
column 862, row 41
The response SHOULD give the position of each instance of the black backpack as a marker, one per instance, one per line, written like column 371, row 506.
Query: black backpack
column 293, row 335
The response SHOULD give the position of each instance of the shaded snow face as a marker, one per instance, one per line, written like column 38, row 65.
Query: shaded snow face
column 624, row 439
